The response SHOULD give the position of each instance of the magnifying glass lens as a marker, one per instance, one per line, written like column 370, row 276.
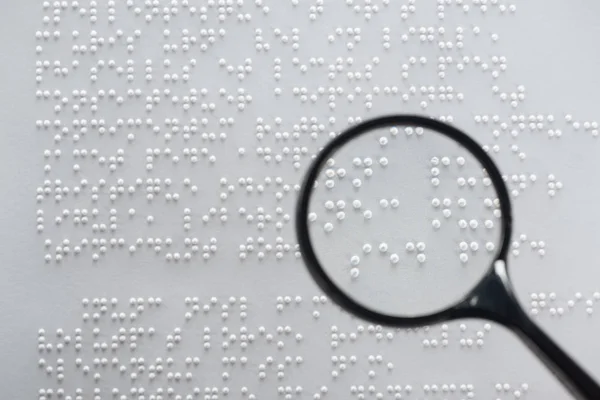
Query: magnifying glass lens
column 404, row 220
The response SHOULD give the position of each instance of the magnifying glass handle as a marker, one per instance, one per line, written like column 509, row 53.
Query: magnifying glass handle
column 573, row 377
column 494, row 299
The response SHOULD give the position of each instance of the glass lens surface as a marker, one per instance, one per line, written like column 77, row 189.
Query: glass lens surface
column 404, row 220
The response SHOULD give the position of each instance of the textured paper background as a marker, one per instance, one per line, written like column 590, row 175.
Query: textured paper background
column 549, row 49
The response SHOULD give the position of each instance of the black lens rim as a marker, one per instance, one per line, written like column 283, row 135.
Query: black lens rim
column 302, row 209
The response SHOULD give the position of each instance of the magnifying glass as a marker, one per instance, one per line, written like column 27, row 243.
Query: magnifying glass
column 404, row 220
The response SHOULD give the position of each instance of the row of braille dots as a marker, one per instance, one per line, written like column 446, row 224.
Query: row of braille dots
column 498, row 66
column 445, row 204
column 521, row 121
column 394, row 258
column 208, row 250
column 161, row 393
column 194, row 302
column 466, row 389
column 62, row 339
column 152, row 188
column 224, row 10
column 58, row 69
column 187, row 102
column 266, row 152
column 553, row 185
column 339, row 206
column 241, row 70
column 297, row 153
column 444, row 93
column 482, row 5
column 464, row 342
column 537, row 246
column 519, row 182
column 264, row 368
column 140, row 392
column 97, row 41
column 250, row 185
column 337, row 67
column 119, row 340
column 591, row 126
column 97, row 312
column 99, row 246
column 340, row 367
column 368, row 9
column 113, row 162
column 94, row 45
column 58, row 7
column 532, row 122
column 318, row 301
column 334, row 92
column 429, row 35
column 405, row 9
column 353, row 38
column 305, row 126
column 63, row 249
column 518, row 391
column 263, row 250
column 191, row 129
column 331, row 174
column 316, row 10
column 174, row 127
column 288, row 392
column 361, row 391
column 478, row 340
column 293, row 38
column 207, row 36
column 192, row 154
column 334, row 69
column 261, row 45
column 542, row 302
column 372, row 330
column 338, row 337
column 81, row 125
column 461, row 181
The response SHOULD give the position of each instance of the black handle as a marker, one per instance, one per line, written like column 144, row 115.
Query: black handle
column 571, row 375
column 494, row 299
